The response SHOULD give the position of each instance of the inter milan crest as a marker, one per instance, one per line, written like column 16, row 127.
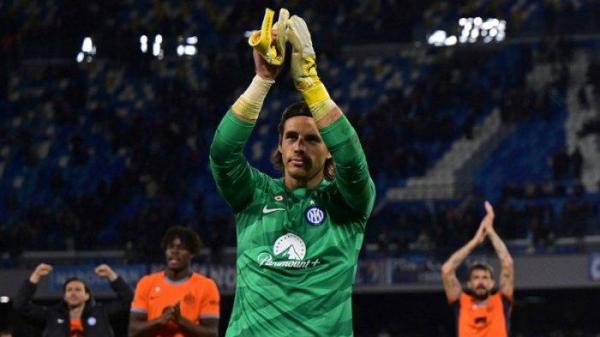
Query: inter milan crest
column 315, row 215
column 189, row 299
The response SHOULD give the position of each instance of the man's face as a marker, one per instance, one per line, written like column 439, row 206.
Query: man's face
column 178, row 256
column 75, row 294
column 481, row 283
column 302, row 149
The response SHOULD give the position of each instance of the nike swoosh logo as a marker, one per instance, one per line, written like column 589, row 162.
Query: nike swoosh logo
column 267, row 210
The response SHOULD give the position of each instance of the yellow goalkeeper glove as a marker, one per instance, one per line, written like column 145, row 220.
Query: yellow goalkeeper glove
column 272, row 51
column 304, row 69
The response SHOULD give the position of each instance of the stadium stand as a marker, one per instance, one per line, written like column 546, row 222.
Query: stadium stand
column 106, row 154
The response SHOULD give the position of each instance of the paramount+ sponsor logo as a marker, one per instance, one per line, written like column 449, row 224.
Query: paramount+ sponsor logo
column 289, row 251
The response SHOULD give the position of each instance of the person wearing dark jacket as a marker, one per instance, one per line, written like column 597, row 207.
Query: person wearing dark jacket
column 77, row 315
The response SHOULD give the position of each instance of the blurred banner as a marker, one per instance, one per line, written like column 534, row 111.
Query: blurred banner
column 594, row 266
column 397, row 271
column 223, row 274
column 374, row 275
column 130, row 273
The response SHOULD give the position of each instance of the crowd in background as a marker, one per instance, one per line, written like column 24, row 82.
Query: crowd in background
column 152, row 149
column 108, row 154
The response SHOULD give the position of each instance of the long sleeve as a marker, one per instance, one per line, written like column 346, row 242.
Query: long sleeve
column 352, row 172
column 235, row 178
column 124, row 297
column 23, row 304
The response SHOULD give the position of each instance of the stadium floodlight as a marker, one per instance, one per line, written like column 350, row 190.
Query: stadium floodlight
column 144, row 44
column 472, row 30
column 156, row 47
column 466, row 23
column 450, row 41
column 501, row 30
column 187, row 46
column 190, row 50
column 437, row 38
column 88, row 50
column 500, row 37
column 440, row 38
column 88, row 46
column 487, row 25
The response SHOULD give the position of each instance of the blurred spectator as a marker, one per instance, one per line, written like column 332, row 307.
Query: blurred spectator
column 584, row 103
column 560, row 164
column 539, row 234
column 590, row 127
column 575, row 217
column 469, row 125
column 576, row 161
column 116, row 149
column 566, row 166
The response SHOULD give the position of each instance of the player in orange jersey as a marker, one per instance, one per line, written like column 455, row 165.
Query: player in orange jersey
column 481, row 311
column 176, row 302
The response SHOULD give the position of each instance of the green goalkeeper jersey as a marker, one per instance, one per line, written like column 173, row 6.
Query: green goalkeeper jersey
column 297, row 249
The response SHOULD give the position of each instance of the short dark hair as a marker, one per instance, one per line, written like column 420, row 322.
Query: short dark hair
column 294, row 110
column 480, row 265
column 77, row 279
column 189, row 239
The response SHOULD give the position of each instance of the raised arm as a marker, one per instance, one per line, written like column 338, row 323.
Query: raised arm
column 232, row 173
column 452, row 285
column 23, row 301
column 507, row 274
column 124, row 294
column 352, row 173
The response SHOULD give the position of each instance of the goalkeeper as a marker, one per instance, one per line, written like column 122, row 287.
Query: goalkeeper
column 298, row 237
